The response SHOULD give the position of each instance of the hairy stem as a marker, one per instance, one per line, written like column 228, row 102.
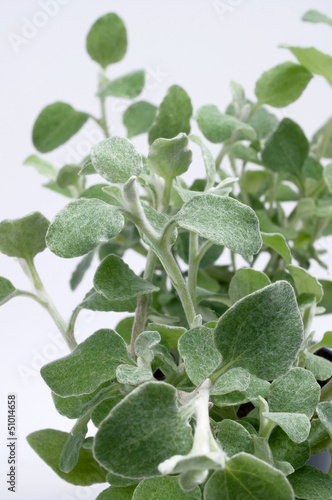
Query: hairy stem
column 193, row 266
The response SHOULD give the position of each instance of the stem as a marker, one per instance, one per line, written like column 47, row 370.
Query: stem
column 193, row 265
column 103, row 120
column 233, row 261
column 273, row 193
column 322, row 146
column 48, row 304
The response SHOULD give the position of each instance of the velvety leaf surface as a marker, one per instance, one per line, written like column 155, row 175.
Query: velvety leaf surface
column 164, row 488
column 297, row 391
column 278, row 243
column 81, row 226
column 257, row 387
column 71, row 450
column 246, row 281
column 246, row 476
column 305, row 283
column 199, row 353
column 224, row 221
column 282, row 84
column 80, row 270
column 218, row 127
column 151, row 441
column 310, row 483
column 236, row 379
column 55, row 125
column 173, row 115
column 116, row 159
column 120, row 481
column 324, row 412
column 49, row 443
column 170, row 157
column 76, row 406
column 95, row 301
column 124, row 493
column 209, row 162
column 139, row 117
column 78, row 373
column 262, row 332
column 321, row 368
column 284, row 449
column 234, row 438
column 126, row 87
column 106, row 42
column 42, row 166
column 314, row 16
column 7, row 290
column 24, row 237
column 296, row 425
column 169, row 333
column 132, row 375
column 286, row 149
column 116, row 281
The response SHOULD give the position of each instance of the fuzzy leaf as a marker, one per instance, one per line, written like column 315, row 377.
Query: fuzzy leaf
column 126, row 87
column 42, row 166
column 262, row 332
column 286, row 150
column 78, row 373
column 285, row 450
column 117, row 493
column 314, row 60
column 120, row 481
column 236, row 379
column 224, row 221
column 95, row 301
column 80, row 270
column 257, row 387
column 209, row 162
column 164, row 488
column 245, row 282
column 199, row 353
column 151, row 441
column 282, row 84
column 139, row 117
column 324, row 412
column 81, row 226
column 218, row 127
column 305, row 283
column 116, row 159
column 278, row 243
column 106, row 42
column 132, row 375
column 25, row 237
column 71, row 450
column 169, row 333
column 116, row 281
column 77, row 406
column 7, row 290
column 234, row 438
column 296, row 425
column 313, row 16
column 55, row 125
column 246, row 476
column 297, row 391
column 320, row 367
column 49, row 443
column 310, row 483
column 173, row 115
column 170, row 157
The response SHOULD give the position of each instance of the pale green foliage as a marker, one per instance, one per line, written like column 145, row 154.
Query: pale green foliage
column 165, row 488
column 120, row 493
column 320, row 367
column 246, row 281
column 7, row 290
column 279, row 244
column 218, row 127
column 234, row 438
column 107, row 40
column 310, row 483
column 324, row 412
column 305, row 283
column 314, row 60
column 170, row 157
column 296, row 425
column 313, row 16
column 139, row 117
column 284, row 449
column 127, row 87
column 42, row 166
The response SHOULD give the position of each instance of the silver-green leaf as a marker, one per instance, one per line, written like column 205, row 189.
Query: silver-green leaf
column 106, row 42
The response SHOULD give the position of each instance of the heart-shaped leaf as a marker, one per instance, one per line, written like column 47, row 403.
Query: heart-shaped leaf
column 296, row 425
column 245, row 282
column 170, row 157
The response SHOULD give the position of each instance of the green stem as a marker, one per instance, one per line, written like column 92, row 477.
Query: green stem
column 233, row 261
column 103, row 120
column 193, row 265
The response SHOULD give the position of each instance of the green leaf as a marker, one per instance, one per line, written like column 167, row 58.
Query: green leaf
column 55, row 125
column 322, row 140
column 81, row 226
column 95, row 301
column 218, row 127
column 124, row 328
column 324, row 412
column 49, row 443
column 164, row 488
column 151, row 441
column 297, row 391
column 139, row 117
column 126, row 87
column 326, row 301
column 103, row 409
column 305, row 283
column 169, row 333
column 173, row 115
column 98, row 191
column 77, row 406
column 116, row 159
column 314, row 60
column 120, row 481
column 285, row 450
column 7, row 290
column 209, row 162
column 71, row 450
column 42, row 166
column 286, row 149
column 116, row 281
column 245, row 476
column 78, row 373
column 234, row 438
column 145, row 343
column 236, row 379
column 310, row 483
column 54, row 186
column 199, row 353
column 313, row 16
column 24, row 237
column 282, row 84
column 263, row 339
column 328, row 176
column 117, row 493
column 106, row 42
column 312, row 169
column 263, row 122
column 68, row 176
column 170, row 157
column 246, row 281
column 257, row 387
column 133, row 375
column 222, row 220
column 278, row 243
column 244, row 153
column 80, row 270
column 296, row 425
column 320, row 367
column 325, row 342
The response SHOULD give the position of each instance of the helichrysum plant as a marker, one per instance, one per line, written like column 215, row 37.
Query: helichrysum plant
column 209, row 388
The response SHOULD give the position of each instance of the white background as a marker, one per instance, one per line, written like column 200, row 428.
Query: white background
column 185, row 42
